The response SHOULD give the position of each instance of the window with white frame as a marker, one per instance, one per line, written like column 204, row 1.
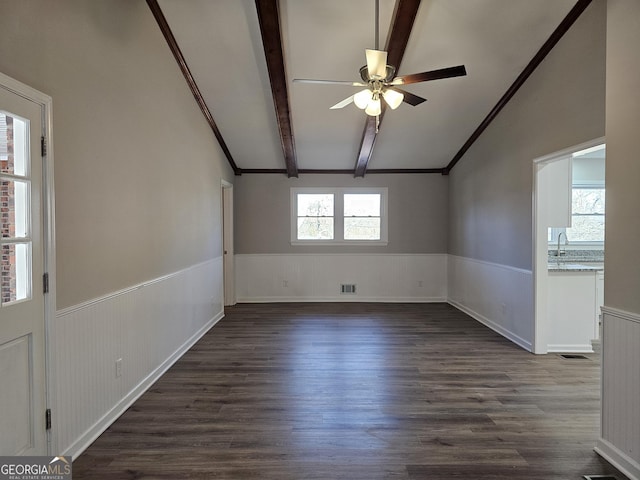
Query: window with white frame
column 587, row 217
column 344, row 216
column 315, row 215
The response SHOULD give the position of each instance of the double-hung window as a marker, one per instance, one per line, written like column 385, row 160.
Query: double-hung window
column 587, row 217
column 315, row 216
column 339, row 216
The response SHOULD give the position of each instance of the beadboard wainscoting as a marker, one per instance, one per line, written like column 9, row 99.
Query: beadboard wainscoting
column 499, row 296
column 620, row 430
column 318, row 277
column 148, row 326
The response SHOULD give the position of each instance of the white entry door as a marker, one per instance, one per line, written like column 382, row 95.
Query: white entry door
column 22, row 329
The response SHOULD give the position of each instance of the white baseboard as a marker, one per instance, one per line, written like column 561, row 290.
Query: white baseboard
column 342, row 298
column 618, row 459
column 84, row 441
column 570, row 348
column 521, row 342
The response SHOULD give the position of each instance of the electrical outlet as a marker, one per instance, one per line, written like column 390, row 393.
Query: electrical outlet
column 419, row 283
column 118, row 367
column 285, row 283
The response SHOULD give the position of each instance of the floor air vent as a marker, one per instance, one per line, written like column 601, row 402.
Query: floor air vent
column 575, row 357
column 599, row 477
column 348, row 288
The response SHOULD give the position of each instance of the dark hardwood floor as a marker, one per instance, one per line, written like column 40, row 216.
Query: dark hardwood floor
column 357, row 391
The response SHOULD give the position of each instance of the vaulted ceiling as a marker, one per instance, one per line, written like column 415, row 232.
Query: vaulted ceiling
column 240, row 57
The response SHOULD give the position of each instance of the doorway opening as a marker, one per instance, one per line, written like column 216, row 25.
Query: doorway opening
column 227, row 245
column 568, row 263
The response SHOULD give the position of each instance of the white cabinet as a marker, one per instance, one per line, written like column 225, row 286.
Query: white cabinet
column 572, row 303
column 555, row 190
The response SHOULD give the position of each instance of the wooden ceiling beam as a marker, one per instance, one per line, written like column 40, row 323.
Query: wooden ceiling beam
column 404, row 15
column 269, row 19
column 184, row 68
column 551, row 42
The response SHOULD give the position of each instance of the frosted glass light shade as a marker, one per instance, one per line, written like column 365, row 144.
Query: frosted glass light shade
column 393, row 98
column 361, row 99
column 374, row 108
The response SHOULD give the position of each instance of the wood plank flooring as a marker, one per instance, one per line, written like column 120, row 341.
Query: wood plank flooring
column 357, row 391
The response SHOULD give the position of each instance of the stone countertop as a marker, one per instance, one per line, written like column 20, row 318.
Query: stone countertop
column 564, row 266
column 576, row 261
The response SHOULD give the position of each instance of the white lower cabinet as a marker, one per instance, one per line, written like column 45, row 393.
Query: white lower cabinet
column 574, row 301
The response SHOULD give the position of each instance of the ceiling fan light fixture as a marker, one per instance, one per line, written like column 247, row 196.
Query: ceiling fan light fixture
column 374, row 108
column 361, row 99
column 393, row 98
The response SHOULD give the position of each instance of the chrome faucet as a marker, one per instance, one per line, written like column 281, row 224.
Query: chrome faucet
column 566, row 242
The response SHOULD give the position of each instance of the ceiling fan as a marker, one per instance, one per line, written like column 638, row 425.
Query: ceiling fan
column 379, row 81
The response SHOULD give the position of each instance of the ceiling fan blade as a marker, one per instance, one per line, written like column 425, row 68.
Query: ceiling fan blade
column 376, row 63
column 409, row 97
column 343, row 103
column 449, row 72
column 330, row 82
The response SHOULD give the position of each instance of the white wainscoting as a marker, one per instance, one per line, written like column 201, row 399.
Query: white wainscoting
column 499, row 296
column 620, row 431
column 149, row 326
column 317, row 277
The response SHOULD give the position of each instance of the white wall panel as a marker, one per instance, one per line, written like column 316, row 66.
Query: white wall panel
column 499, row 296
column 317, row 277
column 620, row 435
column 148, row 326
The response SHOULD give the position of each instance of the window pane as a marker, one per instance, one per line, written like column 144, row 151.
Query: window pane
column 315, row 228
column 13, row 145
column 586, row 228
column 13, row 208
column 588, row 200
column 315, row 205
column 362, row 205
column 362, row 228
column 15, row 276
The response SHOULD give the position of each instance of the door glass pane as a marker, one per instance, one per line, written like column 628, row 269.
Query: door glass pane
column 14, row 208
column 15, row 252
column 16, row 271
column 13, row 145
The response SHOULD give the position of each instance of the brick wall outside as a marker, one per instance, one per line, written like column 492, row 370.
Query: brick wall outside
column 7, row 215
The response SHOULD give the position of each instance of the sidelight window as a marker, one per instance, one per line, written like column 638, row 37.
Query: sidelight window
column 15, row 195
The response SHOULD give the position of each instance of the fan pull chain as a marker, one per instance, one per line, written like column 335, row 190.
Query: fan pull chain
column 377, row 123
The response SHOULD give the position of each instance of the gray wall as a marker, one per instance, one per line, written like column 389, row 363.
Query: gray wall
column 623, row 161
column 417, row 212
column 137, row 169
column 562, row 104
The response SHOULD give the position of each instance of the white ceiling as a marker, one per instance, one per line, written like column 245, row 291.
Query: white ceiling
column 326, row 39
